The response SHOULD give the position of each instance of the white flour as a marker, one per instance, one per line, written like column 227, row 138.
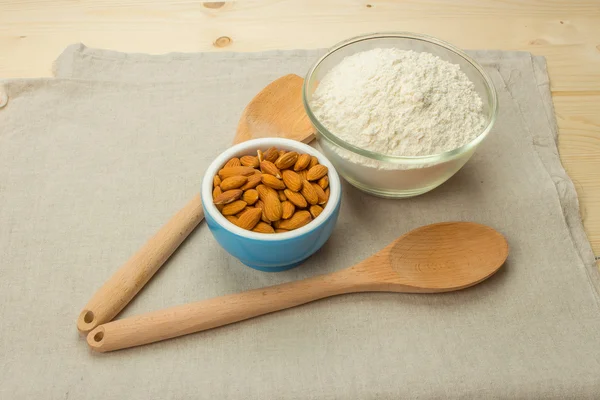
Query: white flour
column 399, row 102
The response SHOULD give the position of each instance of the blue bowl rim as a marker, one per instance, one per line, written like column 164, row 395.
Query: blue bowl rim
column 264, row 143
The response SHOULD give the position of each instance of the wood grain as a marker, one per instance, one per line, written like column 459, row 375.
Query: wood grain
column 34, row 32
column 465, row 254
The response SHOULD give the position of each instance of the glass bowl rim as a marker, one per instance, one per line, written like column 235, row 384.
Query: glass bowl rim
column 444, row 156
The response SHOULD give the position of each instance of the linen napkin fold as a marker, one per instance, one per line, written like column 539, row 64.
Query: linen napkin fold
column 90, row 167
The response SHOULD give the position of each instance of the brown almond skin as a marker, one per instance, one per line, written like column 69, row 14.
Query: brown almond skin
column 272, row 182
column 270, row 199
column 233, row 171
column 287, row 160
column 228, row 197
column 315, row 211
column 234, row 207
column 279, row 230
column 316, row 172
column 267, row 167
column 262, row 227
column 249, row 218
column 216, row 181
column 238, row 215
column 296, row 198
column 259, row 155
column 281, row 195
column 313, row 161
column 309, row 193
column 282, row 152
column 261, row 205
column 233, row 182
column 302, row 162
column 217, row 192
column 232, row 218
column 250, row 196
column 234, row 162
column 303, row 174
column 253, row 181
column 265, row 191
column 272, row 154
column 324, row 182
column 298, row 220
column 249, row 161
column 320, row 193
column 288, row 209
column 292, row 180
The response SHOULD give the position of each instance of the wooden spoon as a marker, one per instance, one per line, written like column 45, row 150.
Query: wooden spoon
column 276, row 111
column 431, row 259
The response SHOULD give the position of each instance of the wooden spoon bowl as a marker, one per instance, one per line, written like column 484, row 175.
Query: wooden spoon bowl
column 434, row 258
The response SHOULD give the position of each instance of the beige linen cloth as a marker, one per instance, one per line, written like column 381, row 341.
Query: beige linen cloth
column 93, row 163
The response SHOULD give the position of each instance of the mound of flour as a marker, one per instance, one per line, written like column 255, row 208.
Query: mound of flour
column 399, row 102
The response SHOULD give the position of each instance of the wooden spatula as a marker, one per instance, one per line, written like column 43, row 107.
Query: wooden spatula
column 276, row 111
column 431, row 259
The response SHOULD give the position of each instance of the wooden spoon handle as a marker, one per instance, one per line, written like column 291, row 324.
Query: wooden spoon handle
column 212, row 313
column 118, row 291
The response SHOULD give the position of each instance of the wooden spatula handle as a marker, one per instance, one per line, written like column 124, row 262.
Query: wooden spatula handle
column 118, row 291
column 207, row 314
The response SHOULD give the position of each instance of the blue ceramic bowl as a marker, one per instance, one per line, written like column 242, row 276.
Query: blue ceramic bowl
column 276, row 251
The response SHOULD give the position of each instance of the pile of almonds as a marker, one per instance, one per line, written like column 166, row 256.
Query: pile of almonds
column 274, row 191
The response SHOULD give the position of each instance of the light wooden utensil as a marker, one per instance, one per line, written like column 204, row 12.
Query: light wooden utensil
column 276, row 111
column 435, row 258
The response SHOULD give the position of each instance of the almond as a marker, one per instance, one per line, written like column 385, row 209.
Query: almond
column 238, row 215
column 272, row 182
column 265, row 191
column 228, row 197
column 259, row 155
column 216, row 181
column 295, row 198
column 281, row 195
column 234, row 162
column 273, row 208
column 271, row 154
column 232, row 218
column 267, row 167
column 292, row 180
column 282, row 152
column 299, row 219
column 279, row 230
column 262, row 227
column 309, row 193
column 270, row 199
column 250, row 196
column 253, row 181
column 261, row 205
column 324, row 182
column 288, row 209
column 233, row 171
column 315, row 211
column 234, row 207
column 249, row 218
column 217, row 192
column 286, row 160
column 249, row 161
column 320, row 193
column 313, row 161
column 316, row 172
column 302, row 162
column 327, row 194
column 233, row 182
column 303, row 174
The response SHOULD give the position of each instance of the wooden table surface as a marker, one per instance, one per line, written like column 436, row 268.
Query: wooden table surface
column 567, row 32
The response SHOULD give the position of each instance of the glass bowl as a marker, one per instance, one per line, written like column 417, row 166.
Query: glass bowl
column 397, row 176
